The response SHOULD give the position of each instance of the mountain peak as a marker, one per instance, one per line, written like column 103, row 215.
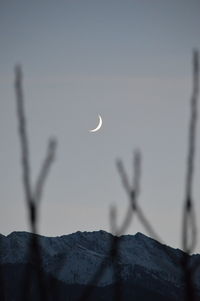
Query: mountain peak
column 75, row 258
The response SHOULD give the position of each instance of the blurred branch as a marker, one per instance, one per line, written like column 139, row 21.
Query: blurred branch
column 115, row 240
column 132, row 192
column 23, row 134
column 189, row 230
column 189, row 223
column 45, row 169
column 32, row 197
column 133, row 196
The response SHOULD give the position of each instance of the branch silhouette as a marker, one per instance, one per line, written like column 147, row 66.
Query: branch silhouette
column 189, row 229
column 32, row 197
column 115, row 239
column 45, row 170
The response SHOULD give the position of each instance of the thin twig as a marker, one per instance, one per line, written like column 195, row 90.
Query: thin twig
column 189, row 230
column 189, row 223
column 32, row 198
column 117, row 231
column 133, row 194
column 45, row 170
column 23, row 134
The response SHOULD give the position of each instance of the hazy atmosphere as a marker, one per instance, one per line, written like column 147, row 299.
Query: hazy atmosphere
column 130, row 62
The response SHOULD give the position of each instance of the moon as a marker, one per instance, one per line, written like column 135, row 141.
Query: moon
column 98, row 126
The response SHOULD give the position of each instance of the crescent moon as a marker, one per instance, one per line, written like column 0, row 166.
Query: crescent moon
column 98, row 126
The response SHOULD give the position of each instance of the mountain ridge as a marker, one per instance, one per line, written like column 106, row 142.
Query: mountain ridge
column 75, row 258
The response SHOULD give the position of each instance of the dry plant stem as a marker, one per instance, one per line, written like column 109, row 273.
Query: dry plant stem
column 115, row 240
column 32, row 199
column 45, row 170
column 23, row 135
column 131, row 195
column 26, row 180
column 189, row 231
column 189, row 225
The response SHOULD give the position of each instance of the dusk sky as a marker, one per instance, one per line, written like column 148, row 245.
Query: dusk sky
column 130, row 62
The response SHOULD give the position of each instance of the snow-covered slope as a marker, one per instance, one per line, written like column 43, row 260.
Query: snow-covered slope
column 76, row 257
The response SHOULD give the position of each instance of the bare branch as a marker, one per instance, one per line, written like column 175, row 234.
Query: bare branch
column 45, row 170
column 189, row 223
column 23, row 134
column 34, row 250
column 131, row 191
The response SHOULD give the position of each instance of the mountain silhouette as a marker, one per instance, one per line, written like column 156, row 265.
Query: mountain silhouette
column 146, row 269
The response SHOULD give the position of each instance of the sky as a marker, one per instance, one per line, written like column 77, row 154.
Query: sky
column 130, row 62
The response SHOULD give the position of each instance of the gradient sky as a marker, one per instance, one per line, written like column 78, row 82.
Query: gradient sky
column 129, row 61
